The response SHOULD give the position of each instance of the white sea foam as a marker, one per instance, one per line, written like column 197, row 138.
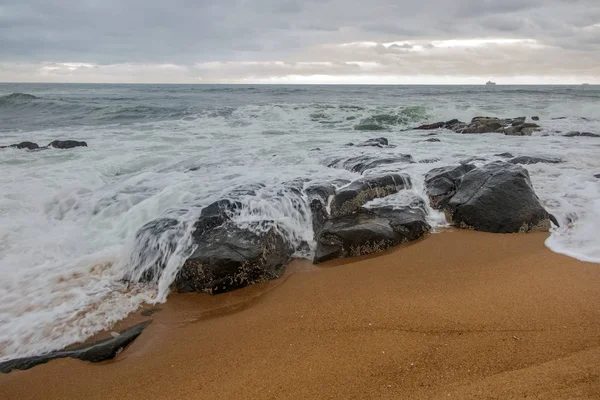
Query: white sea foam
column 68, row 219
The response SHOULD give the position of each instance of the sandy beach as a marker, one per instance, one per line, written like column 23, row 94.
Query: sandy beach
column 460, row 314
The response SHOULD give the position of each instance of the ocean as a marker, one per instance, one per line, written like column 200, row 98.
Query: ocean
column 68, row 218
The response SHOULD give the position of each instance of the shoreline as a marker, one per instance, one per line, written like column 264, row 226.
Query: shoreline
column 461, row 313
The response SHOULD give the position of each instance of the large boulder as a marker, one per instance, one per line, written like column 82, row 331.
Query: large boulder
column 228, row 257
column 483, row 125
column 365, row 162
column 441, row 183
column 66, row 144
column 95, row 352
column 453, row 125
column 370, row 231
column 350, row 198
column 26, row 145
column 497, row 197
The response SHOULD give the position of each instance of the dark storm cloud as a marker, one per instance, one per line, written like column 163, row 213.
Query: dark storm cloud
column 193, row 34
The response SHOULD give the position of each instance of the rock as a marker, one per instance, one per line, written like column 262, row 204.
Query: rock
column 483, row 125
column 95, row 352
column 499, row 198
column 528, row 131
column 535, row 118
column 432, row 140
column 556, row 118
column 228, row 257
column 435, row 125
column 504, row 155
column 316, row 149
column 66, row 144
column 442, row 183
column 154, row 244
column 597, row 176
column 378, row 142
column 452, row 125
column 369, row 231
column 526, row 160
column 350, row 198
column 318, row 197
column 25, row 145
column 519, row 127
column 364, row 163
column 429, row 160
column 584, row 134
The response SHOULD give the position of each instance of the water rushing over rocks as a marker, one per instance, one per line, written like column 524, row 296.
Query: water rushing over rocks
column 78, row 249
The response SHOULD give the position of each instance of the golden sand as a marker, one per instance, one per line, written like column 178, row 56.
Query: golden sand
column 461, row 314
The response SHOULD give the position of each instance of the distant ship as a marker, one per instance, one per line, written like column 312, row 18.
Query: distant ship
column 490, row 83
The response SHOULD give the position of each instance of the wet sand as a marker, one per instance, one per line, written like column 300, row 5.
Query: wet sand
column 458, row 315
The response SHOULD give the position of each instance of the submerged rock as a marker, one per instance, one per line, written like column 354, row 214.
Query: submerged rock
column 66, row 144
column 526, row 160
column 364, row 163
column 535, row 118
column 228, row 257
column 583, row 134
column 433, row 140
column 369, row 231
column 499, row 198
column 350, row 198
column 22, row 145
column 95, row 352
column 441, row 183
column 597, row 176
column 378, row 142
column 504, row 155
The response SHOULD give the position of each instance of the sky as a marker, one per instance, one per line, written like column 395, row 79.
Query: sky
column 301, row 41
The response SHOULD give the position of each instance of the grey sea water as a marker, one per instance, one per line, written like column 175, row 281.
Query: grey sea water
column 68, row 218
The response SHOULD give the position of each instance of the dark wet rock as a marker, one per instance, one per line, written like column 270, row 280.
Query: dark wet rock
column 25, row 145
column 556, row 118
column 318, row 197
column 349, row 144
column 483, row 125
column 517, row 121
column 321, row 192
column 519, row 127
column 228, row 257
column 350, row 198
column 370, row 231
column 581, row 134
column 429, row 160
column 441, row 183
column 154, row 243
column 526, row 160
column 363, row 163
column 435, row 125
column 597, row 176
column 431, row 134
column 66, row 144
column 378, row 142
column 452, row 125
column 316, row 149
column 499, row 198
column 432, row 140
column 504, row 155
column 535, row 118
column 99, row 351
column 217, row 214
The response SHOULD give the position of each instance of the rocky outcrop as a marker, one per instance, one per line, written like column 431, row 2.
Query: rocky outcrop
column 66, row 144
column 228, row 257
column 95, row 352
column 514, row 126
column 350, row 198
column 497, row 197
column 597, row 176
column 535, row 118
column 370, row 231
column 441, row 183
column 581, row 134
column 363, row 163
column 23, row 145
column 432, row 140
column 526, row 160
column 504, row 155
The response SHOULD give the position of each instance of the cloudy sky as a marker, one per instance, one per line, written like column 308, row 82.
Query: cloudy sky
column 300, row 41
